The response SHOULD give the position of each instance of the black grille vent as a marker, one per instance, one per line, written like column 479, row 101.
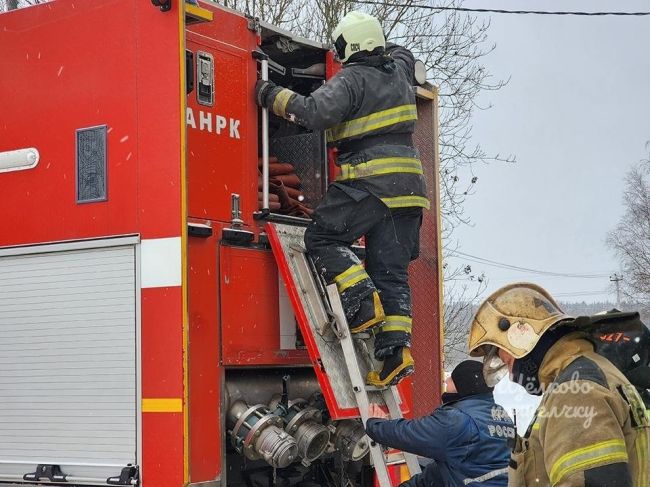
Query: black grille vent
column 91, row 164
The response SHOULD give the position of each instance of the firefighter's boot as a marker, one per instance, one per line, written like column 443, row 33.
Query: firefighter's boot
column 370, row 314
column 396, row 367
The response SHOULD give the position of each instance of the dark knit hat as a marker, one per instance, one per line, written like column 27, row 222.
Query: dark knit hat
column 468, row 378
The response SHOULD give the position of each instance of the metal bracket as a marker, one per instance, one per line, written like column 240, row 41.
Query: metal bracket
column 128, row 476
column 254, row 24
column 200, row 230
column 52, row 473
column 277, row 67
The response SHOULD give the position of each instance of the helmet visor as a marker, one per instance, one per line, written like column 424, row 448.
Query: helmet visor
column 494, row 369
column 339, row 47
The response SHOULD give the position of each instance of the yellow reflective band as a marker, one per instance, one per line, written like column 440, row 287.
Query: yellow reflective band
column 404, row 473
column 162, row 405
column 280, row 102
column 377, row 167
column 406, row 329
column 536, row 426
column 397, row 323
column 603, row 453
column 348, row 272
column 350, row 277
column 399, row 318
column 374, row 121
column 406, row 201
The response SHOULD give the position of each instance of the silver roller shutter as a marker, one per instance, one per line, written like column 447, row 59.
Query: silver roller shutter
column 68, row 362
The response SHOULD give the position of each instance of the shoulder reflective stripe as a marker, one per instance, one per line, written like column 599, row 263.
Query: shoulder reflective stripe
column 397, row 323
column 536, row 426
column 350, row 277
column 642, row 460
column 374, row 121
column 487, row 476
column 376, row 167
column 605, row 452
column 280, row 102
column 406, row 201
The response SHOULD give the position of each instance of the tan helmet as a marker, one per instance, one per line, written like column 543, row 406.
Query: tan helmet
column 513, row 318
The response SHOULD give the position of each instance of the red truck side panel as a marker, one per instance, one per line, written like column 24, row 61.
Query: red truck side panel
column 250, row 324
column 78, row 64
column 425, row 274
column 204, row 351
column 222, row 139
column 162, row 379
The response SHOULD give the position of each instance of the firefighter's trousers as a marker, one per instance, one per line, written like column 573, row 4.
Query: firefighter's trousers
column 392, row 236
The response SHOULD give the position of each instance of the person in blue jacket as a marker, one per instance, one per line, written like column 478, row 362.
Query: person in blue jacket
column 466, row 437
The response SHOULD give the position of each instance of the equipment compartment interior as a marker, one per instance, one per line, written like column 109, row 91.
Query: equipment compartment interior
column 300, row 66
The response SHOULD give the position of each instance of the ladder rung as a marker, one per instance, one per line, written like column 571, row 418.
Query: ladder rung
column 361, row 336
column 375, row 388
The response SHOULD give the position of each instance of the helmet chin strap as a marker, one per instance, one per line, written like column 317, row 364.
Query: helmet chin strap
column 525, row 370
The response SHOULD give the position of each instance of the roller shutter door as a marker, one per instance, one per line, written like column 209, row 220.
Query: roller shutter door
column 68, row 381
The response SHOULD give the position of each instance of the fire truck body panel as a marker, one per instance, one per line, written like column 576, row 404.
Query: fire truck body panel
column 105, row 296
column 114, row 67
column 222, row 136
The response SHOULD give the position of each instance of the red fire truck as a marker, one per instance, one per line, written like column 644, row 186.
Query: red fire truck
column 145, row 327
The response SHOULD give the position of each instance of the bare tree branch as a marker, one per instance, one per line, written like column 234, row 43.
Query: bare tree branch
column 7, row 5
column 630, row 240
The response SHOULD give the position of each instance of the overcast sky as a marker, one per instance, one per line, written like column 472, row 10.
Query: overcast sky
column 576, row 115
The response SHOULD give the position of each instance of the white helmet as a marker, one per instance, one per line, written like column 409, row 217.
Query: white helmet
column 357, row 32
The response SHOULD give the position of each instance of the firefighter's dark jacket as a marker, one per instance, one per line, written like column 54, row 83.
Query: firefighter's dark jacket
column 368, row 111
column 468, row 439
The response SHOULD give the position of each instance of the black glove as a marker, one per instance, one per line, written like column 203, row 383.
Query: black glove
column 262, row 91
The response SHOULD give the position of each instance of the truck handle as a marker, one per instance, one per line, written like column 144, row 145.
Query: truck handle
column 264, row 68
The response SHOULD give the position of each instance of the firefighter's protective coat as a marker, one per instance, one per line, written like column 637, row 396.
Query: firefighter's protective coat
column 369, row 111
column 591, row 428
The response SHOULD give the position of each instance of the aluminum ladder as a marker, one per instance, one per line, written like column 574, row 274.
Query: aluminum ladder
column 361, row 389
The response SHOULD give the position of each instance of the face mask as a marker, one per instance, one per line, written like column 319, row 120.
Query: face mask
column 494, row 369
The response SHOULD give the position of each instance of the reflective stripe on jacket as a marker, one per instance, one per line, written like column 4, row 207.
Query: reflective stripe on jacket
column 366, row 101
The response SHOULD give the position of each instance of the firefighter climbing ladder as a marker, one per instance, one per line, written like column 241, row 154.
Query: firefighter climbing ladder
column 341, row 360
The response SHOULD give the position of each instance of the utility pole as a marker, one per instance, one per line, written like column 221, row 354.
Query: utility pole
column 617, row 278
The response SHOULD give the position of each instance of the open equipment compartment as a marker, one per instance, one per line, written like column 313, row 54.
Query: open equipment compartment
column 300, row 65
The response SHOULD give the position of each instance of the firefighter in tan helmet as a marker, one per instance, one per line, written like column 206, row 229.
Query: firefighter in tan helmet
column 591, row 428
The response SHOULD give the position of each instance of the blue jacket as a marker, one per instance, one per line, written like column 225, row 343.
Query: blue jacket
column 467, row 438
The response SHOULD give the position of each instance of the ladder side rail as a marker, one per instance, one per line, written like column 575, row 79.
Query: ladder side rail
column 358, row 383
